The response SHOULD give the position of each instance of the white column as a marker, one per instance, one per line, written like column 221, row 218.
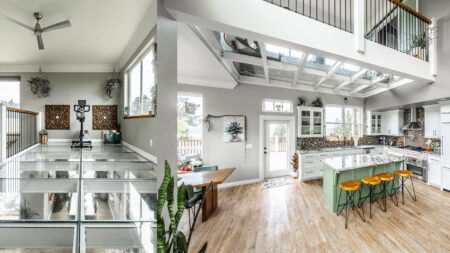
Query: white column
column 433, row 47
column 2, row 133
column 359, row 30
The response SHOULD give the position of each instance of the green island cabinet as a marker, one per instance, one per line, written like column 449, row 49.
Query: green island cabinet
column 332, row 178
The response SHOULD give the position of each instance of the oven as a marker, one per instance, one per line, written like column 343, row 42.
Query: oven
column 418, row 168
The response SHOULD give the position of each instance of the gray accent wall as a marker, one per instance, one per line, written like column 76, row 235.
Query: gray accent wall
column 246, row 100
column 68, row 88
column 421, row 92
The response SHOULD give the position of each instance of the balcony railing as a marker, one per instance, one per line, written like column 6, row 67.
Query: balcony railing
column 21, row 130
column 189, row 147
column 337, row 13
column 393, row 24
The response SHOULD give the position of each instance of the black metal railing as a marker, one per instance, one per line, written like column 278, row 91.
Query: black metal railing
column 21, row 130
column 337, row 13
column 393, row 24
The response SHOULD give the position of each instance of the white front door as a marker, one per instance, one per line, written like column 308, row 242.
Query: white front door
column 276, row 148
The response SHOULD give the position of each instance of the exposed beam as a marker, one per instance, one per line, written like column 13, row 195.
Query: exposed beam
column 330, row 72
column 393, row 85
column 300, row 68
column 262, row 47
column 359, row 88
column 356, row 76
column 288, row 85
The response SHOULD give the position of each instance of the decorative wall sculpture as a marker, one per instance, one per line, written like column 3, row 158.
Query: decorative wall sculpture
column 104, row 117
column 57, row 117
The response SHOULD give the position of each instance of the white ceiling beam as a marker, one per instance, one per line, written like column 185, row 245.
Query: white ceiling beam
column 393, row 85
column 288, row 85
column 262, row 48
column 355, row 77
column 330, row 72
column 301, row 64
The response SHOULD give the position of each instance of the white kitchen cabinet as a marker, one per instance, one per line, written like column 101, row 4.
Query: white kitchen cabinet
column 310, row 121
column 434, row 170
column 446, row 178
column 432, row 121
column 374, row 123
column 392, row 123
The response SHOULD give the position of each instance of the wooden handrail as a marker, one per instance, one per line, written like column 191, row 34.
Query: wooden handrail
column 20, row 110
column 412, row 11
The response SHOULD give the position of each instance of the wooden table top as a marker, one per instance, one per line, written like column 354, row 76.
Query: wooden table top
column 200, row 179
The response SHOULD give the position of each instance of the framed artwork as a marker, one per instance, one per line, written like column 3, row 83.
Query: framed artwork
column 104, row 117
column 57, row 117
column 234, row 129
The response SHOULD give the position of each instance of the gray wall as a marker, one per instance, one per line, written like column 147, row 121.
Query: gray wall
column 420, row 92
column 67, row 88
column 246, row 100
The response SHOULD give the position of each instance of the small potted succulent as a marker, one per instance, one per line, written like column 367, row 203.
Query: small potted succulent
column 43, row 136
column 126, row 111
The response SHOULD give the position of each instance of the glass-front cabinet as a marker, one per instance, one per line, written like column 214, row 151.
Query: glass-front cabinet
column 310, row 121
column 375, row 126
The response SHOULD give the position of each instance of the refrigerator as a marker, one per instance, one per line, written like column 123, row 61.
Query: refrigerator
column 445, row 158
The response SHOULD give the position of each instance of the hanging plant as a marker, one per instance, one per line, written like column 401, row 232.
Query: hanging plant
column 40, row 85
column 112, row 85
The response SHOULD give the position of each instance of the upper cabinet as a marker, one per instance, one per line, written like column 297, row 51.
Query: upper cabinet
column 310, row 121
column 385, row 123
column 374, row 121
column 392, row 123
column 432, row 121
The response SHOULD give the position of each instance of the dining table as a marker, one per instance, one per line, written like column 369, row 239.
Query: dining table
column 203, row 179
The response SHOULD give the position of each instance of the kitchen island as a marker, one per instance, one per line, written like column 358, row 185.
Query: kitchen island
column 355, row 167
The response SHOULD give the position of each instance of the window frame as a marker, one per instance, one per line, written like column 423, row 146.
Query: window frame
column 343, row 108
column 278, row 101
column 196, row 95
column 138, row 60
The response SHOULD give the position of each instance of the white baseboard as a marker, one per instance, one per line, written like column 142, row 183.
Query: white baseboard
column 141, row 152
column 238, row 183
column 53, row 140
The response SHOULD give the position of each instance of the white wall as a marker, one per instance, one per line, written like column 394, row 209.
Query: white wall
column 246, row 100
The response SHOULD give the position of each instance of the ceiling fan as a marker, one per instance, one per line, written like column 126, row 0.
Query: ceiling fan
column 37, row 28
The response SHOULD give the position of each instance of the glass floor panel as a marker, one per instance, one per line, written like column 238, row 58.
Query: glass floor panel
column 42, row 186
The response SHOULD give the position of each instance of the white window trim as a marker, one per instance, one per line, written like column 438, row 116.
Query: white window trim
column 279, row 101
column 138, row 60
column 361, row 131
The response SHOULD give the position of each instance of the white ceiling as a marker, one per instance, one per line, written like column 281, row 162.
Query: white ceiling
column 100, row 31
column 197, row 65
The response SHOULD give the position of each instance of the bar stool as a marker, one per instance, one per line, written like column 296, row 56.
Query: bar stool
column 385, row 179
column 371, row 182
column 350, row 187
column 404, row 175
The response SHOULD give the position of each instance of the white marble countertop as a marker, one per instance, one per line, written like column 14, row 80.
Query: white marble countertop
column 336, row 149
column 352, row 162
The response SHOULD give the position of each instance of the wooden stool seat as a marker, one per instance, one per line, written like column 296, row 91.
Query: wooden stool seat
column 403, row 173
column 386, row 176
column 374, row 180
column 350, row 185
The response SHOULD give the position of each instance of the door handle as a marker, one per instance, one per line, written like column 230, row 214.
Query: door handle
column 265, row 150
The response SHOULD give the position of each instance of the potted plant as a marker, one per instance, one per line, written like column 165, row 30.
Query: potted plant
column 234, row 129
column 126, row 111
column 317, row 102
column 25, row 211
column 301, row 101
column 43, row 136
column 419, row 45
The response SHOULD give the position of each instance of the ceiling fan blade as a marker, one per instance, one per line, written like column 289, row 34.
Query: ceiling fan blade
column 40, row 42
column 59, row 25
column 17, row 22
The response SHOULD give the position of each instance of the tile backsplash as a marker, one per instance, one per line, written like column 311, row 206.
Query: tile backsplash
column 410, row 138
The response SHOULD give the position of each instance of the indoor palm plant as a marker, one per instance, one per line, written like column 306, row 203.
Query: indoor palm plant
column 170, row 239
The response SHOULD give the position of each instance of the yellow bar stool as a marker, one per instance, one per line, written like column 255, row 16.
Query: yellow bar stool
column 350, row 187
column 404, row 175
column 386, row 178
column 371, row 183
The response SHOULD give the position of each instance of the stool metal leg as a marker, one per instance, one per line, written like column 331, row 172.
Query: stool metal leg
column 338, row 204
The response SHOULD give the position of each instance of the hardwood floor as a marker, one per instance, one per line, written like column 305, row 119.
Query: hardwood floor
column 295, row 218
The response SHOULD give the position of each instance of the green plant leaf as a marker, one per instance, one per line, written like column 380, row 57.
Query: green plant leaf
column 162, row 191
column 170, row 203
column 161, row 235
column 181, row 199
column 203, row 249
column 181, row 243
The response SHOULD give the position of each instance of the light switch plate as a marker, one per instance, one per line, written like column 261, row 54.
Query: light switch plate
column 248, row 146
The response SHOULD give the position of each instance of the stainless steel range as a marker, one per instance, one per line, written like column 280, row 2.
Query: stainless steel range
column 415, row 160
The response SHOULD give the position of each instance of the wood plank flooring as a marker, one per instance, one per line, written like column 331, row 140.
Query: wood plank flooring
column 295, row 218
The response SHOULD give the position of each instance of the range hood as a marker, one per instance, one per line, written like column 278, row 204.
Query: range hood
column 413, row 125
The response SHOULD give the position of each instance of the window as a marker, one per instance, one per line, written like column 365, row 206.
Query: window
column 343, row 121
column 142, row 85
column 272, row 105
column 10, row 91
column 189, row 127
